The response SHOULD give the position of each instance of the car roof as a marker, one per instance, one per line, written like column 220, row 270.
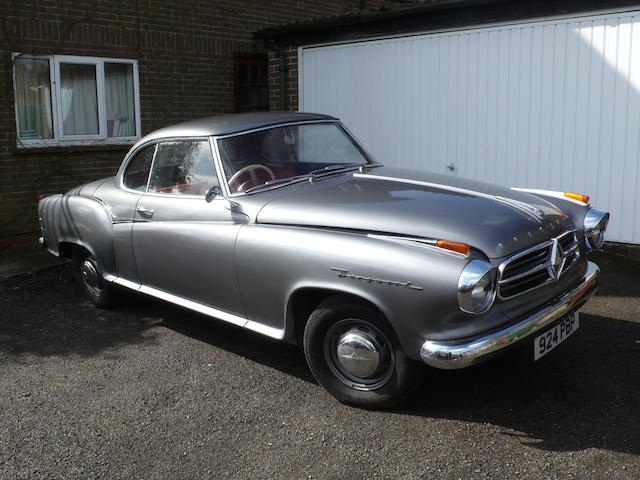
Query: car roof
column 232, row 123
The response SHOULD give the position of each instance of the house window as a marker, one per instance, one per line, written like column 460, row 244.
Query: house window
column 67, row 100
column 251, row 82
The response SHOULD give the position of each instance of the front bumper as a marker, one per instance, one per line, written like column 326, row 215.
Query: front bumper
column 460, row 354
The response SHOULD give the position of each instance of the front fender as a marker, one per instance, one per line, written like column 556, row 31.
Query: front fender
column 413, row 286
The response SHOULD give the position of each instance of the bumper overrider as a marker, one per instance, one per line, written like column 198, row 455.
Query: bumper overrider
column 461, row 354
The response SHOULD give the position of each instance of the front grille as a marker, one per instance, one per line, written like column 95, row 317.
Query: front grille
column 537, row 266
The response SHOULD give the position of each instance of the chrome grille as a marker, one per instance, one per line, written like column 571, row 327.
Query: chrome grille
column 537, row 266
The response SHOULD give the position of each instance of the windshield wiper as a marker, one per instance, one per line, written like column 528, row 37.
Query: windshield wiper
column 338, row 168
column 331, row 168
column 280, row 182
column 319, row 172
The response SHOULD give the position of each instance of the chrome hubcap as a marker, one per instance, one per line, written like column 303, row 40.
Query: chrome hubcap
column 90, row 275
column 359, row 354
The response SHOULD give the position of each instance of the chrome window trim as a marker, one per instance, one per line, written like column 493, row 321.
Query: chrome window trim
column 217, row 161
column 570, row 253
column 275, row 125
column 125, row 164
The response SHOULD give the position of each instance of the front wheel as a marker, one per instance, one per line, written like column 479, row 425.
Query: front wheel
column 88, row 273
column 353, row 352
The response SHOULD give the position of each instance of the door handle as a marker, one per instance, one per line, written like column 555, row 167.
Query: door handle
column 144, row 212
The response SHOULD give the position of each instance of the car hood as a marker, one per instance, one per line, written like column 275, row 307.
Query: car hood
column 496, row 220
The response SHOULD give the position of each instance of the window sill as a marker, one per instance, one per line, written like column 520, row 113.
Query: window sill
column 29, row 150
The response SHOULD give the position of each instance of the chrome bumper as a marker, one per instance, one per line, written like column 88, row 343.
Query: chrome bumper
column 453, row 355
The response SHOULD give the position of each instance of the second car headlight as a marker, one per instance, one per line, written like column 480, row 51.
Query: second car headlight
column 595, row 224
column 477, row 286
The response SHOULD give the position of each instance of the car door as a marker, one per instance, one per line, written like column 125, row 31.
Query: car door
column 184, row 246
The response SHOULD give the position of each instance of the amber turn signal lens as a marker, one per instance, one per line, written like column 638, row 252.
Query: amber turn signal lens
column 577, row 196
column 454, row 246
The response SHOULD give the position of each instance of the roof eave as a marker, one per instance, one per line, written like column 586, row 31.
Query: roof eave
column 447, row 14
column 286, row 34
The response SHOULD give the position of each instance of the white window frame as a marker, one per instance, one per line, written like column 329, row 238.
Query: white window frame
column 59, row 138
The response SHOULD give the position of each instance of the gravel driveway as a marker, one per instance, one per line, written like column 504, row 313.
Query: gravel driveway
column 150, row 391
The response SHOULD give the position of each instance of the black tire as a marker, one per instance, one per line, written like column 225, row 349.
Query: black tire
column 396, row 376
column 101, row 293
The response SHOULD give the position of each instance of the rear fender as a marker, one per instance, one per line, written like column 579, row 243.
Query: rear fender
column 79, row 220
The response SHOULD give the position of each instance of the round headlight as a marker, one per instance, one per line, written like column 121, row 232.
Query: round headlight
column 595, row 224
column 477, row 287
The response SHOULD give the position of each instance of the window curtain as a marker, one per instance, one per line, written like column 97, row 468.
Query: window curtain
column 79, row 99
column 33, row 98
column 119, row 100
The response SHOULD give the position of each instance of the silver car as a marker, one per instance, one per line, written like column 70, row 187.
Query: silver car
column 282, row 224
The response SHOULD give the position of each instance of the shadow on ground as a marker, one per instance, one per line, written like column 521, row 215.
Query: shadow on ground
column 585, row 394
column 44, row 314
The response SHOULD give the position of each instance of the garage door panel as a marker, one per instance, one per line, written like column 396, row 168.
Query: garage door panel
column 547, row 104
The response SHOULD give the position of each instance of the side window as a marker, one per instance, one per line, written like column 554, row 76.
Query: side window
column 183, row 168
column 137, row 173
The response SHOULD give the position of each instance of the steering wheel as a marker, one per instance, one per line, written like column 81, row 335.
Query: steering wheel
column 251, row 170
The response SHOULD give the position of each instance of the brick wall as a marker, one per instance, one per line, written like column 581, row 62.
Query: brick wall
column 291, row 79
column 185, row 52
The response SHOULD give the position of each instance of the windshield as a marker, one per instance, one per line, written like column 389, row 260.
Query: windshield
column 280, row 155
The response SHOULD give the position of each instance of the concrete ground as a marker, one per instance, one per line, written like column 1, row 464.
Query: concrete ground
column 150, row 391
column 18, row 261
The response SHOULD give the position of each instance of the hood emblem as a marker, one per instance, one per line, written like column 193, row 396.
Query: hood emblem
column 343, row 273
column 558, row 260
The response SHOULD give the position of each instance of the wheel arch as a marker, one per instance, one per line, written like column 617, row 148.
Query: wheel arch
column 303, row 300
column 82, row 221
column 67, row 247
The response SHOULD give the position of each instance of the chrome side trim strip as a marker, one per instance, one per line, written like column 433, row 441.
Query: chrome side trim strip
column 191, row 305
column 109, row 278
column 421, row 242
column 277, row 333
column 454, row 355
column 127, row 283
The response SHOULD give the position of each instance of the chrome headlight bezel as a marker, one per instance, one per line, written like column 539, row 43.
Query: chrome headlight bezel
column 477, row 274
column 595, row 226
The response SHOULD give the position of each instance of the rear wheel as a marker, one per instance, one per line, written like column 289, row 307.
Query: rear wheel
column 88, row 273
column 354, row 353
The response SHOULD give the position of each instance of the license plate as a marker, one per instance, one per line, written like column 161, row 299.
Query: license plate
column 553, row 337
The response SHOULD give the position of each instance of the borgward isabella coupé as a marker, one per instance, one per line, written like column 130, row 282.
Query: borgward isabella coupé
column 281, row 223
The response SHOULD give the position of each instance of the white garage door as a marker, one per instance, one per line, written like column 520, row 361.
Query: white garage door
column 542, row 104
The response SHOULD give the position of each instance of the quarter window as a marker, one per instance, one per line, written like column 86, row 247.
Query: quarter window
column 137, row 173
column 69, row 100
column 183, row 168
